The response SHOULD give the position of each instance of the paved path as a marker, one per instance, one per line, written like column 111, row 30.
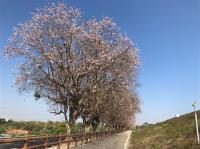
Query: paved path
column 117, row 141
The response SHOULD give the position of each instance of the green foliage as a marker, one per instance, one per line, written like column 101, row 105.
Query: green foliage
column 40, row 128
column 43, row 128
column 77, row 128
column 176, row 133
column 2, row 129
column 101, row 128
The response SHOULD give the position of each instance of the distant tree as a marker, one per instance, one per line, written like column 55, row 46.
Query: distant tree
column 10, row 121
column 146, row 124
column 73, row 64
column 2, row 120
column 2, row 129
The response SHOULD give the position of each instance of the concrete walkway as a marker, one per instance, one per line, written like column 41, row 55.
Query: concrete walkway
column 117, row 141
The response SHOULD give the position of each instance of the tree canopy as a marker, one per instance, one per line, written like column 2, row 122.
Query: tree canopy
column 80, row 68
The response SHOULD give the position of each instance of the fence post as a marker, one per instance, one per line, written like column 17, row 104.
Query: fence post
column 68, row 139
column 82, row 139
column 60, row 139
column 46, row 142
column 68, row 144
column 90, row 137
column 26, row 141
column 86, row 136
column 76, row 140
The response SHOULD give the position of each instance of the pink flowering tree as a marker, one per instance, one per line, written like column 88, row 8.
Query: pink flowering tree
column 73, row 64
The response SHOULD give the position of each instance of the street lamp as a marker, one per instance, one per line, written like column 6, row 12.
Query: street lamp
column 195, row 115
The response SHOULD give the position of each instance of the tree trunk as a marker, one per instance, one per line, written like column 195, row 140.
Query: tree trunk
column 85, row 124
column 87, row 129
column 68, row 127
column 94, row 127
column 108, row 128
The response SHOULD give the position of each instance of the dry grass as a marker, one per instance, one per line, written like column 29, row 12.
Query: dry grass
column 175, row 133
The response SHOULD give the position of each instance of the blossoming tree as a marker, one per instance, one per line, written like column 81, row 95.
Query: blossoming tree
column 74, row 64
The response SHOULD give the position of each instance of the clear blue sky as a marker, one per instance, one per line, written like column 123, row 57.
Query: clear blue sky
column 167, row 32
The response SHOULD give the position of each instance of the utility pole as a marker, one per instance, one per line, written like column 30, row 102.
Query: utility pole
column 196, row 121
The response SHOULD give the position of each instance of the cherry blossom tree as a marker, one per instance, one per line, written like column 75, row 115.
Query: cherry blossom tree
column 74, row 64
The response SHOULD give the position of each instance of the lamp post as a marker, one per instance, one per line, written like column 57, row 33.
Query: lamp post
column 195, row 115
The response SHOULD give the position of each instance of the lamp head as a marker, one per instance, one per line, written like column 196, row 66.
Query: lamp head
column 194, row 103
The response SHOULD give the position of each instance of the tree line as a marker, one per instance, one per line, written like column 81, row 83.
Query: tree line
column 39, row 128
column 82, row 68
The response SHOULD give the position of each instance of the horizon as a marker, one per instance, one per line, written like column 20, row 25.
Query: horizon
column 80, row 121
column 167, row 34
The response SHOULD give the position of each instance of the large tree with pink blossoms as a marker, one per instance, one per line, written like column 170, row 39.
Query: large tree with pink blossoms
column 80, row 68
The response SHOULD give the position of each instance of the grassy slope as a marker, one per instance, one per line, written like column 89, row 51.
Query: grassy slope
column 175, row 133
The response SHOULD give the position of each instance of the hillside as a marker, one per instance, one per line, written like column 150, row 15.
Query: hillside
column 175, row 133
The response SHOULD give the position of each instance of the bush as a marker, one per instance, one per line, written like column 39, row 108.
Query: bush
column 2, row 130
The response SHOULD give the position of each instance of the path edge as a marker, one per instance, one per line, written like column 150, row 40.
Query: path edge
column 126, row 145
